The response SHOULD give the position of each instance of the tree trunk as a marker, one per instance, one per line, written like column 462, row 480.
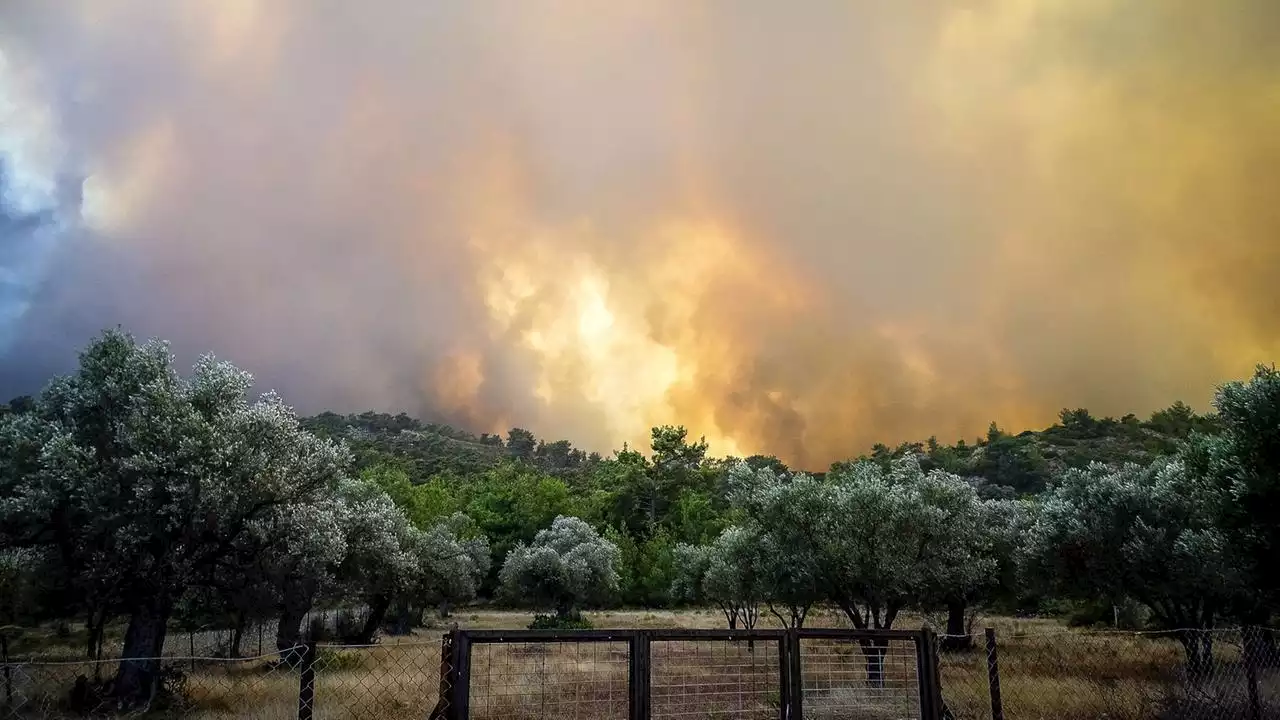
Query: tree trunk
column 402, row 617
column 377, row 613
column 237, row 633
column 874, row 651
column 957, row 636
column 139, row 670
column 298, row 598
column 1198, row 645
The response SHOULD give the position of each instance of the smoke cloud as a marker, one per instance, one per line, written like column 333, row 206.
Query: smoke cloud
column 795, row 228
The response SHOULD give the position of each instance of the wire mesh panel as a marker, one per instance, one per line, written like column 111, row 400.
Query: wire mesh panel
column 388, row 681
column 864, row 678
column 257, row 687
column 535, row 679
column 715, row 678
column 1077, row 675
column 963, row 672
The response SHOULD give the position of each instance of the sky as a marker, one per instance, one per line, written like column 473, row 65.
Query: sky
column 795, row 228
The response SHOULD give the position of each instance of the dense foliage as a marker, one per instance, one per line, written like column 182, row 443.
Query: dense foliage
column 128, row 491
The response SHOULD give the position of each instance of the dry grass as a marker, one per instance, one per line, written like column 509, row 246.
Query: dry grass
column 1047, row 671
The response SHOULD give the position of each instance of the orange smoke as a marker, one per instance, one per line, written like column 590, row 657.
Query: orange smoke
column 796, row 229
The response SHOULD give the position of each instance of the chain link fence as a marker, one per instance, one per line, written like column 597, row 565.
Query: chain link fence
column 390, row 681
column 1073, row 675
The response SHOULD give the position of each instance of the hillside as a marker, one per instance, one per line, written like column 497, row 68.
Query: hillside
column 1010, row 464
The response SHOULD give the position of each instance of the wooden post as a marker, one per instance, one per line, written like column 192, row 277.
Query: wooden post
column 928, row 675
column 638, row 676
column 993, row 676
column 460, row 704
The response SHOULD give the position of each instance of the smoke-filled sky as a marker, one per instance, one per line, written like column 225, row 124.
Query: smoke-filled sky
column 796, row 228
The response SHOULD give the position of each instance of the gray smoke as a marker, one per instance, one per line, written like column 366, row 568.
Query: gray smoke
column 798, row 229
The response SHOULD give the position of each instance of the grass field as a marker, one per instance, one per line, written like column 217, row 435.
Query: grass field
column 1046, row 670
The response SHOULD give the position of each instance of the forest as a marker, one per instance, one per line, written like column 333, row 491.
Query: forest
column 134, row 494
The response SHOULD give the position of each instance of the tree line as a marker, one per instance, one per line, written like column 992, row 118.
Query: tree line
column 131, row 492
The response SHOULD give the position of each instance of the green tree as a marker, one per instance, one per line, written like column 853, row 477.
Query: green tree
column 521, row 444
column 878, row 540
column 149, row 477
column 512, row 502
column 1242, row 465
column 566, row 567
column 724, row 573
column 1146, row 532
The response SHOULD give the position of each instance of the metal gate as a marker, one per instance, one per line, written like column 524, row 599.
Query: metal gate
column 666, row 674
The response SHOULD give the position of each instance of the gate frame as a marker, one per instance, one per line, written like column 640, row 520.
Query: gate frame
column 639, row 665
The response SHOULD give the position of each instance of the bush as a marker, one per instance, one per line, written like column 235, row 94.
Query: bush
column 338, row 660
column 552, row 622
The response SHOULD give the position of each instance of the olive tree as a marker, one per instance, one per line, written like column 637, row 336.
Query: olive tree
column 149, row 478
column 1146, row 532
column 567, row 566
column 463, row 581
column 876, row 540
column 726, row 573
column 302, row 547
column 789, row 581
column 1242, row 465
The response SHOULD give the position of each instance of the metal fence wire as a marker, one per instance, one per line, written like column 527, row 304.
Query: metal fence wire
column 550, row 679
column 865, row 677
column 654, row 674
column 514, row 675
column 1231, row 674
column 698, row 676
column 259, row 686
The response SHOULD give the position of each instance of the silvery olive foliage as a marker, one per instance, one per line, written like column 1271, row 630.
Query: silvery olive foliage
column 871, row 541
column 1146, row 532
column 149, row 490
column 568, row 565
column 149, row 476
column 732, row 573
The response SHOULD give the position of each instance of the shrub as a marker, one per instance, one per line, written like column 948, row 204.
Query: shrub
column 555, row 622
column 331, row 660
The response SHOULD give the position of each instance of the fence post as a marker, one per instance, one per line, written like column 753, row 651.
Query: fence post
column 307, row 683
column 460, row 704
column 8, row 677
column 638, row 669
column 993, row 676
column 784, row 679
column 927, row 675
column 796, row 674
column 444, row 694
column 1250, row 644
